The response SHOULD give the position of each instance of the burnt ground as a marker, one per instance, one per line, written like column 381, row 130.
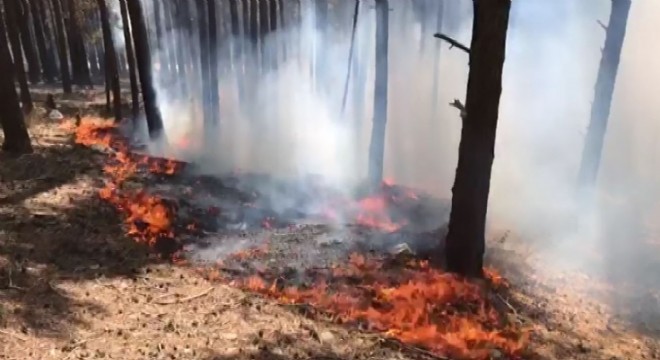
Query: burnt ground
column 74, row 286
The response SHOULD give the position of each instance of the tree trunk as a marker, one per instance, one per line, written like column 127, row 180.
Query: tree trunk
column 213, row 67
column 112, row 72
column 246, row 17
column 600, row 109
column 17, row 140
column 280, row 5
column 31, row 55
column 377, row 146
column 465, row 243
column 19, row 64
column 61, row 45
column 160, row 50
column 254, row 22
column 130, row 59
column 45, row 52
column 143, row 59
column 264, row 28
column 82, row 75
column 170, row 39
column 233, row 13
column 436, row 60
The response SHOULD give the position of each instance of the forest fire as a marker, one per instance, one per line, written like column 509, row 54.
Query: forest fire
column 411, row 302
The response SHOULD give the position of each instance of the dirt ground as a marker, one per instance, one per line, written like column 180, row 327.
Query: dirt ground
column 74, row 286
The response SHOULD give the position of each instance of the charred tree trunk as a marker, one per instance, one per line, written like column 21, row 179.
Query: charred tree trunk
column 130, row 59
column 600, row 109
column 17, row 140
column 465, row 244
column 112, row 72
column 45, row 52
column 61, row 47
column 31, row 55
column 19, row 63
column 233, row 14
column 143, row 59
column 160, row 50
column 245, row 5
column 280, row 6
column 377, row 146
column 356, row 14
column 254, row 22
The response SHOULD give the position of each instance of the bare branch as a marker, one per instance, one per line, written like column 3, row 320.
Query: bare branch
column 459, row 105
column 602, row 25
column 452, row 42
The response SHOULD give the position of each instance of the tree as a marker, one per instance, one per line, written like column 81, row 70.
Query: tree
column 465, row 244
column 81, row 72
column 377, row 146
column 17, row 140
column 600, row 109
column 214, row 96
column 11, row 13
column 46, row 54
column 143, row 59
column 23, row 17
column 130, row 59
column 61, row 46
column 111, row 69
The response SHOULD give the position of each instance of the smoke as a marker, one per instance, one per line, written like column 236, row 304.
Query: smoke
column 280, row 114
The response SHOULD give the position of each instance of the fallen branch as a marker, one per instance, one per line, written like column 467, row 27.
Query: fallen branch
column 452, row 42
column 15, row 336
column 186, row 299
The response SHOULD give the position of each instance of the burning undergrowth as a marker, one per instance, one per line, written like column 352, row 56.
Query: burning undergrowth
column 266, row 236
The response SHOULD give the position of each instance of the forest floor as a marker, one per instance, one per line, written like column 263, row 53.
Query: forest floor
column 73, row 285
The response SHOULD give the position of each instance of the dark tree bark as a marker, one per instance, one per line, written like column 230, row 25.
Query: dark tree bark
column 31, row 55
column 143, row 59
column 264, row 28
column 254, row 22
column 82, row 75
column 46, row 54
column 600, row 109
column 280, row 6
column 233, row 14
column 377, row 146
column 130, row 59
column 61, row 46
column 112, row 72
column 356, row 14
column 465, row 244
column 19, row 63
column 17, row 140
column 160, row 49
column 246, row 17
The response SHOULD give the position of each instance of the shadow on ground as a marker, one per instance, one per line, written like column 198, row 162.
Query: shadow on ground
column 53, row 228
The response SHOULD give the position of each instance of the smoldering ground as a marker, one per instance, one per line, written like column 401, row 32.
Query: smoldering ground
column 286, row 120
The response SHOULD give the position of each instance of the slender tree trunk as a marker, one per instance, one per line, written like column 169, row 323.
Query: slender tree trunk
column 254, row 22
column 320, row 58
column 19, row 63
column 169, row 39
column 160, row 50
column 77, row 42
column 436, row 60
column 31, row 55
column 130, row 59
column 351, row 60
column 213, row 66
column 377, row 146
column 283, row 24
column 264, row 28
column 465, row 243
column 143, row 59
column 61, row 45
column 17, row 140
column 246, row 17
column 45, row 53
column 112, row 72
column 600, row 109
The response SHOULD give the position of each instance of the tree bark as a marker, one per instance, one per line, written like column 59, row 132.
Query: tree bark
column 465, row 244
column 600, row 109
column 31, row 55
column 61, row 46
column 112, row 72
column 11, row 14
column 377, row 146
column 45, row 52
column 143, row 59
column 130, row 59
column 82, row 75
column 17, row 140
column 264, row 29
column 254, row 22
column 160, row 49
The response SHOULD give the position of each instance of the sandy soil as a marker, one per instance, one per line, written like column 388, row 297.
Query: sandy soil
column 74, row 286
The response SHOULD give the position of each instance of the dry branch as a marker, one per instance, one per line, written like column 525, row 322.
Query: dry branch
column 459, row 105
column 186, row 299
column 452, row 42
